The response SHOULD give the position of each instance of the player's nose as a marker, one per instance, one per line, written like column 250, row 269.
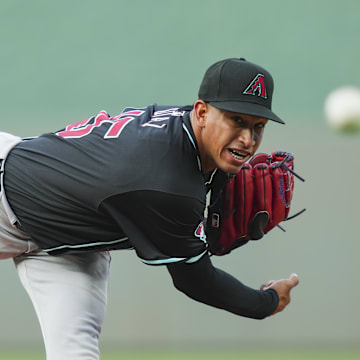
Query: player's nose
column 246, row 137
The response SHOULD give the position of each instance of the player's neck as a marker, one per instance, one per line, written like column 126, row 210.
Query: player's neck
column 206, row 163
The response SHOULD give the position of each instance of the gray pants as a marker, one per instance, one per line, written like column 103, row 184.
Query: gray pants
column 69, row 292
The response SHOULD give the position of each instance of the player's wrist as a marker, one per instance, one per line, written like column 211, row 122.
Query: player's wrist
column 274, row 300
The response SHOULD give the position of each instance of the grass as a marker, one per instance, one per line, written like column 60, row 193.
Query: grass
column 237, row 356
column 217, row 355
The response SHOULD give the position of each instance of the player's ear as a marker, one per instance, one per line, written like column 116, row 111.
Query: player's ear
column 200, row 110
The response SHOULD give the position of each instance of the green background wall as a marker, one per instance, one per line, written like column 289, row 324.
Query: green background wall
column 62, row 61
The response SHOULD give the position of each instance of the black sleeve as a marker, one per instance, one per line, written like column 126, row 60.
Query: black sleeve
column 203, row 282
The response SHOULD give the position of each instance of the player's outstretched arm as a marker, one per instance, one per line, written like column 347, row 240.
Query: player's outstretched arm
column 203, row 282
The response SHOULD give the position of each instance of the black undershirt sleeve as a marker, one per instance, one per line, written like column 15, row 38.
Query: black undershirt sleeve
column 203, row 282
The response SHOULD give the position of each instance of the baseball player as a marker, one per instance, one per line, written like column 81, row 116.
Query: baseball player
column 138, row 181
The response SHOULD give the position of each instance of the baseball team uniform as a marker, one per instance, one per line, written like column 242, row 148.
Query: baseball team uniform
column 132, row 181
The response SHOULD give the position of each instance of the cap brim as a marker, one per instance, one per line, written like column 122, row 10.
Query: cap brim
column 247, row 108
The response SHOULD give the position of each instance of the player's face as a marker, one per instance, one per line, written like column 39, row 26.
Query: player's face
column 229, row 139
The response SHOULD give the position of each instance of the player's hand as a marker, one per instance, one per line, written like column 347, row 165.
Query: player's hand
column 283, row 288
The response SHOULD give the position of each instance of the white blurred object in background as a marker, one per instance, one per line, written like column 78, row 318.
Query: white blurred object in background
column 342, row 109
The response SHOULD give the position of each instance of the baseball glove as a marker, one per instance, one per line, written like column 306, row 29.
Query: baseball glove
column 249, row 204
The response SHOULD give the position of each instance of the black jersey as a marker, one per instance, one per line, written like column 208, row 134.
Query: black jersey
column 129, row 181
column 133, row 180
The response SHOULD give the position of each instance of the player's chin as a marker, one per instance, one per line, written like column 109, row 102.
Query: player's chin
column 231, row 166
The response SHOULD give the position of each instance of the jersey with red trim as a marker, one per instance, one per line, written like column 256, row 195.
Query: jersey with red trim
column 128, row 181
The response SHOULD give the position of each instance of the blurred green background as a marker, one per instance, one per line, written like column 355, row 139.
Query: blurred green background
column 62, row 61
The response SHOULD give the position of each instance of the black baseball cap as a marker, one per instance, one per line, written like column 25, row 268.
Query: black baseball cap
column 239, row 86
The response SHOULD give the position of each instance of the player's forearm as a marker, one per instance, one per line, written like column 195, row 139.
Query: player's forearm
column 203, row 282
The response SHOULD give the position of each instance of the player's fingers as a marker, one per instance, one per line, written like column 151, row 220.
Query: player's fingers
column 293, row 280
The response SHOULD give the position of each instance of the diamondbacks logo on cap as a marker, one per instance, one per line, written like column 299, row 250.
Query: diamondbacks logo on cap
column 257, row 87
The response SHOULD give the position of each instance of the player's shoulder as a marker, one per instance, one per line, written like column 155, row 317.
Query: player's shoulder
column 167, row 146
column 158, row 125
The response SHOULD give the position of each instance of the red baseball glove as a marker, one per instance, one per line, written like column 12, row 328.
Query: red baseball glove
column 249, row 204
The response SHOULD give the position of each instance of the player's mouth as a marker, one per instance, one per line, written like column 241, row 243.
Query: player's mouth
column 239, row 155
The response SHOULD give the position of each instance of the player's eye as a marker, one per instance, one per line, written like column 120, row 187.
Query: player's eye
column 238, row 121
column 260, row 126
